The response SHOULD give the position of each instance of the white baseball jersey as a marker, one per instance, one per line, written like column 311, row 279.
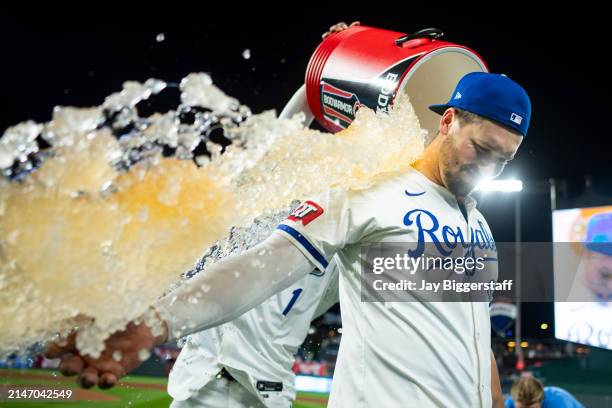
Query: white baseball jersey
column 399, row 354
column 258, row 348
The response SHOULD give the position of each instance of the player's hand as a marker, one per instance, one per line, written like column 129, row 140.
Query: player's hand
column 339, row 27
column 122, row 354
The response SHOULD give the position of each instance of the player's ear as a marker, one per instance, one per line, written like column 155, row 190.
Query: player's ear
column 446, row 121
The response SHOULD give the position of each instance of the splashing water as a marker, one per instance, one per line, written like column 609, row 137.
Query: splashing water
column 101, row 210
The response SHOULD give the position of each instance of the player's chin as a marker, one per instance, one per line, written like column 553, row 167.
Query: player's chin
column 461, row 187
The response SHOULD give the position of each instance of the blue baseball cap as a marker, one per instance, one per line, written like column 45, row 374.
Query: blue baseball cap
column 599, row 234
column 493, row 96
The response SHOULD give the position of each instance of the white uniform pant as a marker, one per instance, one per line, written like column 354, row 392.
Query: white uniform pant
column 221, row 393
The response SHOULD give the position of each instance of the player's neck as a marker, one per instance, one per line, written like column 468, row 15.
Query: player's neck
column 428, row 163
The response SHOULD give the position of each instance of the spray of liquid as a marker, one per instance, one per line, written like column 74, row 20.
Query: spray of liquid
column 102, row 210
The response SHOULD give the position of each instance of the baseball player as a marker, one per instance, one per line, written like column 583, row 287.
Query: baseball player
column 392, row 354
column 247, row 362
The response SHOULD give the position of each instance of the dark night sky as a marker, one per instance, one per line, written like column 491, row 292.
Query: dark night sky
column 557, row 57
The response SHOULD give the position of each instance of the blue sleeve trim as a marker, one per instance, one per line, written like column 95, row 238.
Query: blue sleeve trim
column 304, row 242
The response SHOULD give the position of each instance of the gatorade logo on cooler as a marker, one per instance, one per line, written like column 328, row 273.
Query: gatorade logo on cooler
column 307, row 212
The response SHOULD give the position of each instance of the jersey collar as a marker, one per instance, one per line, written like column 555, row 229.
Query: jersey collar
column 470, row 202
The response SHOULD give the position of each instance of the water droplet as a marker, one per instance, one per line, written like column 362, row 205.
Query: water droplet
column 6, row 158
column 144, row 354
column 11, row 238
column 105, row 247
column 143, row 214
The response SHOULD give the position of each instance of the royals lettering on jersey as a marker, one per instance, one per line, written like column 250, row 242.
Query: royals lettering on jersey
column 447, row 237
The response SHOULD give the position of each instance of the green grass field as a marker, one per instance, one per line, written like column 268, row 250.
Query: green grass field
column 132, row 391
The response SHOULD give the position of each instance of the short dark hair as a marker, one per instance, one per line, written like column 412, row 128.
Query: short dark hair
column 466, row 117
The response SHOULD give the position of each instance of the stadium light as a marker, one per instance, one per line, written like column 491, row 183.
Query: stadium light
column 505, row 186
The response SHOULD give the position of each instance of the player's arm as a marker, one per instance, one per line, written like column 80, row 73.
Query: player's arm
column 496, row 391
column 306, row 240
column 232, row 287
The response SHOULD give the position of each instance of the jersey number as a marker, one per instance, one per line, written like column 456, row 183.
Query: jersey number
column 294, row 298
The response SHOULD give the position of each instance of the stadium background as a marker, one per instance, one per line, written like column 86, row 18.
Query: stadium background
column 78, row 60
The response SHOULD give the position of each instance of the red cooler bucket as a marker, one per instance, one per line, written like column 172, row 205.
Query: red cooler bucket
column 369, row 66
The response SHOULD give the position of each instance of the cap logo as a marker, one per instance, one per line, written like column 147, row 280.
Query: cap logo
column 458, row 95
column 516, row 118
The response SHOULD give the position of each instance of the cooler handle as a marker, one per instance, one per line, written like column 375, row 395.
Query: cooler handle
column 432, row 33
